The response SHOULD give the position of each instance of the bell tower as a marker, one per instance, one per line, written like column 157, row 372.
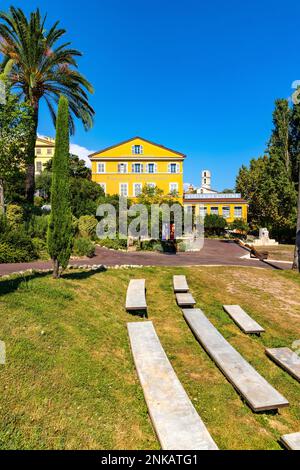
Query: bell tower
column 206, row 179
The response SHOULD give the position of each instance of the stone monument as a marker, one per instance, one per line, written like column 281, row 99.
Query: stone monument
column 263, row 239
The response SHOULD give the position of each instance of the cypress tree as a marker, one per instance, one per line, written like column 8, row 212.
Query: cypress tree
column 60, row 232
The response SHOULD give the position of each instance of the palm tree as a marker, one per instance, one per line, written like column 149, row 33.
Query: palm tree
column 42, row 68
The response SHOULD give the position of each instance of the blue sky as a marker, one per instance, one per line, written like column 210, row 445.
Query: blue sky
column 197, row 76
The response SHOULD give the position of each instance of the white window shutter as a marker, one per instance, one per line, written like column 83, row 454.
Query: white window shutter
column 177, row 168
column 155, row 167
column 142, row 167
column 169, row 168
column 132, row 167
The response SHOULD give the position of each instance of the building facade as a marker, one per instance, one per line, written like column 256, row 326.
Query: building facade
column 127, row 167
column 44, row 151
column 229, row 206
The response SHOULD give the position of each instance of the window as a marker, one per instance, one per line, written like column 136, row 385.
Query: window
column 49, row 151
column 226, row 212
column 123, row 189
column 137, row 168
column 238, row 212
column 214, row 211
column 39, row 167
column 137, row 189
column 151, row 185
column 202, row 211
column 101, row 168
column 204, row 174
column 173, row 187
column 173, row 168
column 122, row 168
column 137, row 149
column 204, row 180
column 103, row 186
column 38, row 151
column 151, row 168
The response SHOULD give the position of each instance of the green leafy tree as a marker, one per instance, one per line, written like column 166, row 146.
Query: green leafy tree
column 295, row 161
column 60, row 231
column 42, row 68
column 77, row 167
column 15, row 118
column 214, row 224
column 279, row 171
column 267, row 184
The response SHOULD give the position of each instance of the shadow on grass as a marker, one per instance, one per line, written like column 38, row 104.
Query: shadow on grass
column 77, row 274
column 13, row 283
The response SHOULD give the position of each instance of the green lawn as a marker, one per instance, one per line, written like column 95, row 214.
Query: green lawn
column 70, row 383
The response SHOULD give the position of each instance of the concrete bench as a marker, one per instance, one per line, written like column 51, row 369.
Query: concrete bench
column 257, row 392
column 185, row 300
column 243, row 320
column 180, row 284
column 136, row 297
column 176, row 422
column 287, row 359
column 291, row 441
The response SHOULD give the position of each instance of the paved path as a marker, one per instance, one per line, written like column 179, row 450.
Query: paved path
column 214, row 252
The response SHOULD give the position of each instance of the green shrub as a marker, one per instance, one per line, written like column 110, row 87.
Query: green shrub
column 14, row 215
column 157, row 247
column 38, row 201
column 16, row 247
column 41, row 248
column 87, row 226
column 151, row 245
column 214, row 224
column 181, row 247
column 37, row 226
column 115, row 244
column 239, row 225
column 83, row 247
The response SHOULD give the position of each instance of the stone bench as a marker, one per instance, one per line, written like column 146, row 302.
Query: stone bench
column 176, row 422
column 287, row 359
column 243, row 320
column 180, row 284
column 291, row 441
column 136, row 295
column 257, row 392
column 185, row 300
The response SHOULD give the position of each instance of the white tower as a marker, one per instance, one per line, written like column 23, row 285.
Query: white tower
column 206, row 179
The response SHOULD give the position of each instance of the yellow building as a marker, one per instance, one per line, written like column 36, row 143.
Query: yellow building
column 44, row 151
column 127, row 167
column 229, row 206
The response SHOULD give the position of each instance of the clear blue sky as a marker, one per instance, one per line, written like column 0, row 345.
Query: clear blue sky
column 198, row 76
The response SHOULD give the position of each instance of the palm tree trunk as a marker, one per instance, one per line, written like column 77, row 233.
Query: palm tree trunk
column 296, row 263
column 2, row 207
column 30, row 168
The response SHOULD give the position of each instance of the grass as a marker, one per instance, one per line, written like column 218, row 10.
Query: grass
column 279, row 252
column 69, row 381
